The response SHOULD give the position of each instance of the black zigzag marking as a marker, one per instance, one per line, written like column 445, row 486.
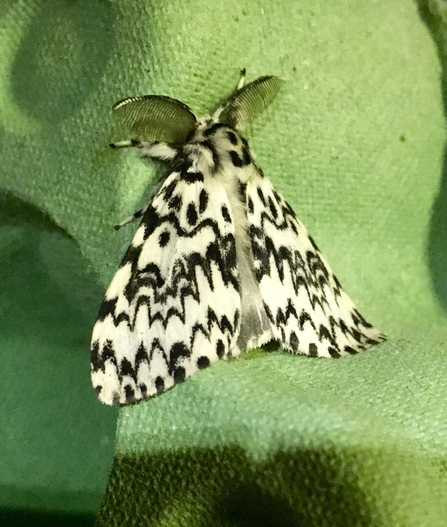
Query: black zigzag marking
column 306, row 272
column 183, row 278
column 310, row 274
column 100, row 357
column 152, row 220
column 179, row 350
column 310, row 271
column 159, row 296
column 221, row 252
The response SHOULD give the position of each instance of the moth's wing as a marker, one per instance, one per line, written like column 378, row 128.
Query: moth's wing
column 307, row 308
column 173, row 306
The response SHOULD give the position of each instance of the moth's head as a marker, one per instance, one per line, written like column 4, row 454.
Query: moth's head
column 159, row 118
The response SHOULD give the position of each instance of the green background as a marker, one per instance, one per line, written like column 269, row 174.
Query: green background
column 355, row 141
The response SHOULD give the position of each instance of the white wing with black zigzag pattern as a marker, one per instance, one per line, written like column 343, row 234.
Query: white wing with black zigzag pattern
column 308, row 310
column 173, row 306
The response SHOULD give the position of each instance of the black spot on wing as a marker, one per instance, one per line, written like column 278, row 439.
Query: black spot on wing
column 192, row 177
column 99, row 357
column 226, row 214
column 287, row 209
column 226, row 325
column 342, row 325
column 237, row 316
column 191, row 214
column 246, row 156
column 164, row 238
column 317, row 268
column 357, row 335
column 261, row 173
column 129, row 393
column 324, row 333
column 151, row 220
column 107, row 307
column 250, row 205
column 159, row 384
column 126, row 368
column 242, row 187
column 333, row 352
column 168, row 191
column 141, row 356
column 108, row 353
column 131, row 289
column 94, row 355
column 179, row 374
column 175, row 203
column 220, row 348
column 178, row 351
column 357, row 317
column 261, row 196
column 313, row 350
column 294, row 341
column 203, row 200
column 236, row 159
column 338, row 288
column 277, row 196
column 203, row 362
column 232, row 137
column 272, row 208
column 304, row 318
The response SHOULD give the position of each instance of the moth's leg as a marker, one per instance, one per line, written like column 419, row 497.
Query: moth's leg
column 154, row 150
column 132, row 218
column 241, row 82
column 125, row 144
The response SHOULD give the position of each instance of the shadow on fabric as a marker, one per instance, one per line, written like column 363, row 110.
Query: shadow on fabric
column 226, row 488
column 62, row 57
column 41, row 519
column 437, row 241
column 57, row 441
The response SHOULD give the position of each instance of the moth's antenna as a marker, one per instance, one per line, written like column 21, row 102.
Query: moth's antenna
column 241, row 82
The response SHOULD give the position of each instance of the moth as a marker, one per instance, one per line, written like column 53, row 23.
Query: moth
column 220, row 264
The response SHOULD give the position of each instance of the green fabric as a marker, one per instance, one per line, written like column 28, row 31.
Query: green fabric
column 355, row 142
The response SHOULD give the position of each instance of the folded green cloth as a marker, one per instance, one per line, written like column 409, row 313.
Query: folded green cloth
column 354, row 142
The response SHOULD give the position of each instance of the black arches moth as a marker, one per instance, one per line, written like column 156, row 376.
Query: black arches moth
column 219, row 264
